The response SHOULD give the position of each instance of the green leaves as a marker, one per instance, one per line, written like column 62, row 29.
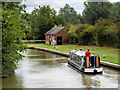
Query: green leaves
column 95, row 10
column 103, row 33
column 76, row 32
column 13, row 28
column 106, row 32
column 69, row 15
column 41, row 20
column 44, row 18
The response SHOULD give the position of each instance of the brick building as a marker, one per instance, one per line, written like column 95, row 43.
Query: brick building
column 59, row 34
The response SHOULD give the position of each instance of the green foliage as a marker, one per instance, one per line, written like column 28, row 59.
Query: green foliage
column 115, row 11
column 106, row 32
column 44, row 18
column 95, row 10
column 103, row 33
column 88, row 36
column 72, row 32
column 13, row 27
column 41, row 20
column 69, row 15
column 27, row 27
column 76, row 32
column 59, row 20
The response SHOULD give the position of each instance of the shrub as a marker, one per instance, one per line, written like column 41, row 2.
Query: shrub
column 88, row 36
column 106, row 32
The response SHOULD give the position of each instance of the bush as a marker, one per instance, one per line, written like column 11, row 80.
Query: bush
column 103, row 33
column 88, row 36
column 76, row 31
column 106, row 32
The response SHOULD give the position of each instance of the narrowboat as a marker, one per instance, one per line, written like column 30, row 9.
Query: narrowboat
column 85, row 64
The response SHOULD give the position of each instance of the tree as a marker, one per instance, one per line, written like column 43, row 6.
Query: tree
column 69, row 15
column 27, row 31
column 114, row 11
column 41, row 20
column 13, row 27
column 88, row 36
column 95, row 10
column 76, row 33
column 107, row 32
column 59, row 20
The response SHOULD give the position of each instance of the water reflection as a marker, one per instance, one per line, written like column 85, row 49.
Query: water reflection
column 89, row 82
column 14, row 81
column 45, row 70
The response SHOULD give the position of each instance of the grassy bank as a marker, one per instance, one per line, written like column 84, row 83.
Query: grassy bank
column 110, row 53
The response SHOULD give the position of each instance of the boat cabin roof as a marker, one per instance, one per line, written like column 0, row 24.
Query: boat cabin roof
column 80, row 53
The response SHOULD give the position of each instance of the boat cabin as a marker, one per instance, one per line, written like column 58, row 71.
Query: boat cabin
column 86, row 64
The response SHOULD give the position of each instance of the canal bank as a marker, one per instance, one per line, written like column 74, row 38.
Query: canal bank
column 104, row 63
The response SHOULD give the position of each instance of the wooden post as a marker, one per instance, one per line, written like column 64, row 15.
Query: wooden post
column 87, row 62
column 97, row 61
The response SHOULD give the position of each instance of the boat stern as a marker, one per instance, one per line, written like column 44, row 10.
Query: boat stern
column 93, row 70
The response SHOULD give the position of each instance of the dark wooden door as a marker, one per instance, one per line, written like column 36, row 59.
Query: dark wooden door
column 59, row 40
column 49, row 39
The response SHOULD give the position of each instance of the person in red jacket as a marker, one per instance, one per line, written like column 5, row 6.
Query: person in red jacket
column 88, row 53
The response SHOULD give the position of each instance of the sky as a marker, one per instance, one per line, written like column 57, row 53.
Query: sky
column 57, row 4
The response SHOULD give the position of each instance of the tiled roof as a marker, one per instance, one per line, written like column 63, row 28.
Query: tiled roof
column 54, row 30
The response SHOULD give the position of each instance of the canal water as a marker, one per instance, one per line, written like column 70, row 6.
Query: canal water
column 40, row 69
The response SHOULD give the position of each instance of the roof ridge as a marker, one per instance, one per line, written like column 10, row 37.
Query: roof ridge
column 54, row 30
